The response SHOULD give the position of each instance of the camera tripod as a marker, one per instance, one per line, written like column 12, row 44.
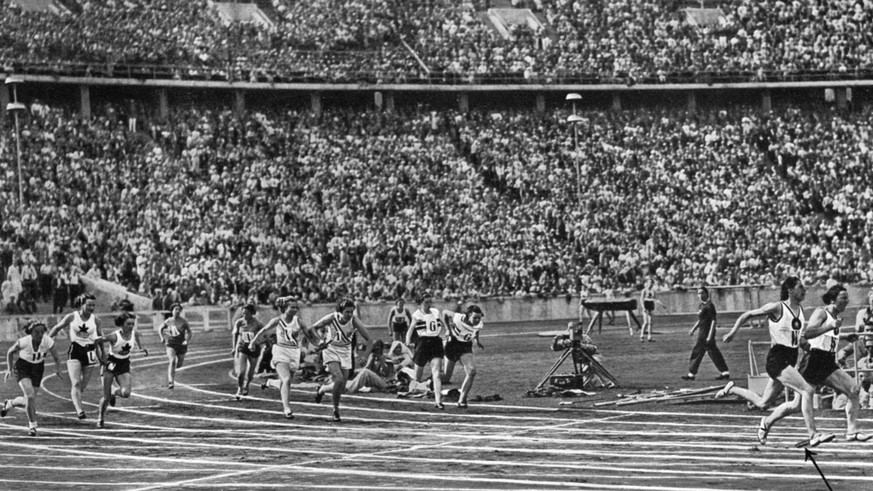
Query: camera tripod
column 580, row 359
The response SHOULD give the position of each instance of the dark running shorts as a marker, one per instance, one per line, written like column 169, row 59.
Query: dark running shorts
column 85, row 355
column 179, row 348
column 455, row 349
column 400, row 328
column 25, row 369
column 118, row 366
column 820, row 366
column 649, row 305
column 778, row 358
column 244, row 349
column 427, row 349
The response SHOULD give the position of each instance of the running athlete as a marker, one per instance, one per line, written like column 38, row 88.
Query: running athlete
column 244, row 351
column 175, row 333
column 823, row 333
column 463, row 330
column 286, row 350
column 85, row 351
column 398, row 321
column 117, row 368
column 339, row 328
column 786, row 321
column 29, row 369
column 428, row 324
column 864, row 327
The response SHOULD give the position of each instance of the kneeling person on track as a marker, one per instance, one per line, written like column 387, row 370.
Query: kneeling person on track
column 117, row 368
column 463, row 331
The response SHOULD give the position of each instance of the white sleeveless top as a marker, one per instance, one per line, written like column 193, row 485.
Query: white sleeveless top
column 121, row 348
column 28, row 354
column 462, row 331
column 83, row 332
column 287, row 333
column 339, row 334
column 427, row 325
column 830, row 339
column 786, row 330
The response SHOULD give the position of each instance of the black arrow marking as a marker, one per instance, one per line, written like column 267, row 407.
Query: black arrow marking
column 809, row 454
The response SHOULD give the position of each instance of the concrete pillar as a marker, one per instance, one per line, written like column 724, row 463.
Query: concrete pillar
column 842, row 102
column 239, row 101
column 163, row 104
column 541, row 103
column 4, row 99
column 85, row 101
column 766, row 101
column 315, row 103
column 692, row 102
column 389, row 101
column 464, row 102
column 616, row 102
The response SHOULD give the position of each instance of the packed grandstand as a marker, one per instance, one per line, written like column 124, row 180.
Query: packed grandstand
column 222, row 206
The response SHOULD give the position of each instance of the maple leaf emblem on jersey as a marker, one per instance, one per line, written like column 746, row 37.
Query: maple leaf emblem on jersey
column 83, row 330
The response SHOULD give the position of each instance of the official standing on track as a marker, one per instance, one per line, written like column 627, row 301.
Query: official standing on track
column 705, row 327
column 85, row 352
column 29, row 369
column 117, row 368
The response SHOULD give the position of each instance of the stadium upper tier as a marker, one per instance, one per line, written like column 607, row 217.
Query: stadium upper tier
column 440, row 41
column 377, row 205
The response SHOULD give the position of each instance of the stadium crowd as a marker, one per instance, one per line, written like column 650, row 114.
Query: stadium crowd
column 366, row 40
column 210, row 207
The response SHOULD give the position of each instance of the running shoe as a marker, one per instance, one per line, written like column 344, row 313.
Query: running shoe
column 336, row 416
column 688, row 377
column 170, row 385
column 31, row 431
column 319, row 395
column 101, row 424
column 763, row 431
column 858, row 437
column 820, row 438
column 462, row 404
column 245, row 391
column 439, row 406
column 238, row 394
column 3, row 410
column 264, row 385
column 725, row 390
column 81, row 415
column 724, row 376
column 289, row 415
column 112, row 399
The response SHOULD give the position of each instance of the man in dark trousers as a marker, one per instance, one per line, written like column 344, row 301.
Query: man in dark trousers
column 706, row 339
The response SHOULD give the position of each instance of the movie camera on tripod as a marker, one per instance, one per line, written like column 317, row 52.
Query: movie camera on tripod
column 586, row 369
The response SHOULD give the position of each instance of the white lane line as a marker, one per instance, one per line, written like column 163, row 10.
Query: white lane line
column 91, row 468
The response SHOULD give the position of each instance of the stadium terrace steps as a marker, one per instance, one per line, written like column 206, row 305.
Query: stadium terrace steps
column 41, row 6
column 504, row 19
column 231, row 12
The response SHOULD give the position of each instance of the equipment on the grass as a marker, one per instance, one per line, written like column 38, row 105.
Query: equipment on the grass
column 628, row 305
column 586, row 369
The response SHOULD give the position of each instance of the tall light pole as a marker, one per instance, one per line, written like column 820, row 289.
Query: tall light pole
column 573, row 120
column 16, row 107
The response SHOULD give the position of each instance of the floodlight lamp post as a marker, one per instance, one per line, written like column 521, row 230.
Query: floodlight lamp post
column 16, row 107
column 574, row 120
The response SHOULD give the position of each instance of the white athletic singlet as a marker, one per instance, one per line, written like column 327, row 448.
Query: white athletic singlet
column 427, row 325
column 287, row 333
column 82, row 332
column 246, row 334
column 121, row 348
column 462, row 331
column 340, row 335
column 26, row 352
column 829, row 340
column 786, row 331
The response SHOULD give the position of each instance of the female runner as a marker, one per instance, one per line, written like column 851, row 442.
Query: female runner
column 29, row 369
column 176, row 334
column 117, row 367
column 85, row 352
